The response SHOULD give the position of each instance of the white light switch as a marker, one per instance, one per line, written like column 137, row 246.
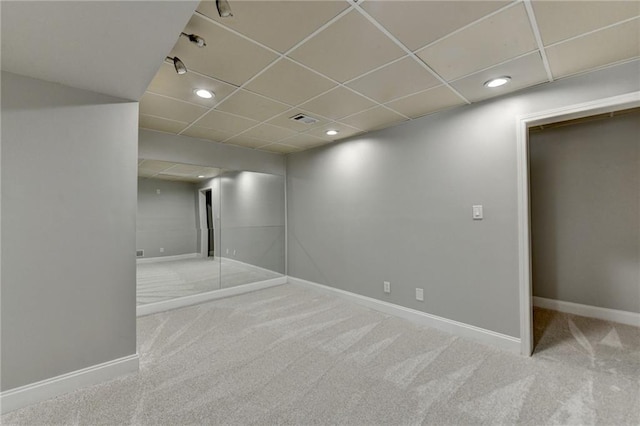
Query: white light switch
column 477, row 213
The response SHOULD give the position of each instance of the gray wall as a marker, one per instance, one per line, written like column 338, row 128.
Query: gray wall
column 168, row 219
column 252, row 219
column 396, row 205
column 585, row 212
column 69, row 161
column 184, row 149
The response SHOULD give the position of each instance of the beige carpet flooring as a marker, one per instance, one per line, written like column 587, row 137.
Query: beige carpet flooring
column 290, row 355
column 167, row 280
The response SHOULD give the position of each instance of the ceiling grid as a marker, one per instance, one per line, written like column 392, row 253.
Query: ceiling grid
column 359, row 66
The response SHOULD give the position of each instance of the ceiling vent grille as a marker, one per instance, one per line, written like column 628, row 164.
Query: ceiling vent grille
column 305, row 119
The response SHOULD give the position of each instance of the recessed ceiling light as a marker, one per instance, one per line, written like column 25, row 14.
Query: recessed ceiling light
column 497, row 82
column 200, row 176
column 332, row 132
column 204, row 93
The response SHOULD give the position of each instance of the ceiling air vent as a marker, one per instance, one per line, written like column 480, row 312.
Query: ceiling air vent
column 305, row 119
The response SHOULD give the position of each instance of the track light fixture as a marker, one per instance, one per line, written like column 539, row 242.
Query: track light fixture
column 224, row 10
column 195, row 39
column 178, row 65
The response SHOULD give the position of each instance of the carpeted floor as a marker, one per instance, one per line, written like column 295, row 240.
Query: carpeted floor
column 289, row 355
column 166, row 280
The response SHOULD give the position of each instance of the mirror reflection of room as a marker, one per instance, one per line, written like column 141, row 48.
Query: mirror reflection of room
column 201, row 229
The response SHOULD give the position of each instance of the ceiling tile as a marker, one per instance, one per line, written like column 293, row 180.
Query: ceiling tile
column 347, row 48
column 226, row 56
column 595, row 49
column 375, row 118
column 305, row 141
column 164, row 107
column 280, row 148
column 247, row 142
column 162, row 124
column 252, row 106
column 289, row 83
column 208, row 172
column 206, row 133
column 277, row 24
column 435, row 19
column 284, row 120
column 496, row 39
column 396, row 80
column 337, row 103
column 344, row 131
column 225, row 122
column 183, row 169
column 154, row 166
column 426, row 102
column 524, row 72
column 269, row 133
column 559, row 20
column 167, row 82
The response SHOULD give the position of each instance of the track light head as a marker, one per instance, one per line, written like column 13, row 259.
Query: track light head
column 178, row 65
column 195, row 39
column 224, row 10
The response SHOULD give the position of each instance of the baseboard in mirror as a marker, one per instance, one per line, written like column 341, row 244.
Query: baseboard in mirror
column 13, row 399
column 238, row 262
column 168, row 258
column 480, row 335
column 613, row 315
column 180, row 302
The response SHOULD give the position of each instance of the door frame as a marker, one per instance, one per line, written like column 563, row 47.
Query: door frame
column 523, row 123
column 202, row 221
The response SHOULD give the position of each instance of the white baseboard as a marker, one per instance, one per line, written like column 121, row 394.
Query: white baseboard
column 13, row 399
column 228, row 259
column 167, row 258
column 477, row 334
column 181, row 302
column 623, row 317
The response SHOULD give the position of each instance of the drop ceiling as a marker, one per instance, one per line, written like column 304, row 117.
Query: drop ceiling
column 109, row 47
column 366, row 65
column 180, row 172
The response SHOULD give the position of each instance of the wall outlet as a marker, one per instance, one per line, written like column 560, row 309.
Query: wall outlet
column 234, row 252
column 161, row 249
column 387, row 287
column 227, row 251
column 157, row 191
column 420, row 294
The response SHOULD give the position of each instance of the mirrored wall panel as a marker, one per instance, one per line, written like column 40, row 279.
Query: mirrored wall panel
column 252, row 227
column 201, row 229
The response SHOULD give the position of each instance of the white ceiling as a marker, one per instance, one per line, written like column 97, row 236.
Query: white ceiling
column 167, row 170
column 110, row 47
column 365, row 65
column 354, row 66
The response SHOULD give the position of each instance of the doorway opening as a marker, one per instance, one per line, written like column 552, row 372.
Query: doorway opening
column 207, row 224
column 524, row 123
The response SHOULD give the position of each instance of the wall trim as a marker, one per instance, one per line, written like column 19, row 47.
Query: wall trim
column 167, row 258
column 22, row 396
column 480, row 335
column 181, row 302
column 613, row 315
column 523, row 122
column 239, row 262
